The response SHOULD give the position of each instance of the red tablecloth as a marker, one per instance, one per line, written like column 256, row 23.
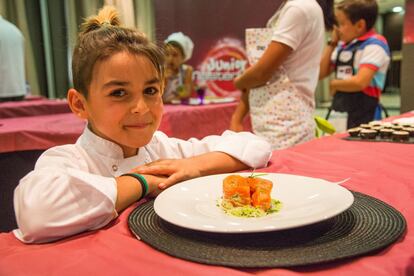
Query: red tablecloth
column 43, row 132
column 381, row 170
column 33, row 107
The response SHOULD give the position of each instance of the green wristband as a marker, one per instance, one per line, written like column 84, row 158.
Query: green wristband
column 142, row 181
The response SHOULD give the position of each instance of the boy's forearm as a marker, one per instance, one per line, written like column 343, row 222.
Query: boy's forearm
column 350, row 85
column 345, row 86
column 128, row 191
column 217, row 162
column 356, row 83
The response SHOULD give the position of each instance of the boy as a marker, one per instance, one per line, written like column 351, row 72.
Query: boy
column 360, row 61
column 120, row 158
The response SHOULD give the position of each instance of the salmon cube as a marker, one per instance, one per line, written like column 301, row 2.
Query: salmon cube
column 236, row 190
column 261, row 199
column 257, row 183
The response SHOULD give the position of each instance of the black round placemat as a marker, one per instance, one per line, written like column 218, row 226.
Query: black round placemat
column 367, row 226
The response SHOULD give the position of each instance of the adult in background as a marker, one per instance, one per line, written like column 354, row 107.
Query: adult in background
column 278, row 89
column 12, row 71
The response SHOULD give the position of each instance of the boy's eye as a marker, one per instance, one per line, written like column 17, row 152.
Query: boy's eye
column 118, row 93
column 151, row 90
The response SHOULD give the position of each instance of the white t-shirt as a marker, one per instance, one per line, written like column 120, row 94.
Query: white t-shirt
column 72, row 187
column 12, row 74
column 301, row 26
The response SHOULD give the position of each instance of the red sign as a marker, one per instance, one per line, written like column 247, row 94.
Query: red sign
column 223, row 63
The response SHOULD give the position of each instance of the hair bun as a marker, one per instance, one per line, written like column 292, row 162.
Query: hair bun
column 106, row 17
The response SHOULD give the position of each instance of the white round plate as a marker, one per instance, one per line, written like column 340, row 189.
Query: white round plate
column 192, row 204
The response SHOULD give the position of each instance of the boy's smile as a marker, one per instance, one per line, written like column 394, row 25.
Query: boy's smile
column 124, row 103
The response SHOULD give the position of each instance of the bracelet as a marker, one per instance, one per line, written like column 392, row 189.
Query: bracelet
column 142, row 181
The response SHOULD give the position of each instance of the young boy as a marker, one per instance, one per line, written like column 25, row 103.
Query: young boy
column 120, row 157
column 360, row 61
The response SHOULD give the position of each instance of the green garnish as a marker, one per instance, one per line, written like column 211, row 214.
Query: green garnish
column 257, row 174
column 249, row 211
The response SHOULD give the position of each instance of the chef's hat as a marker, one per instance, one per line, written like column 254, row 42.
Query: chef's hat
column 184, row 41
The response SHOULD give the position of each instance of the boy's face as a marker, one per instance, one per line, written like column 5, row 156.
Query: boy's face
column 173, row 57
column 347, row 30
column 125, row 104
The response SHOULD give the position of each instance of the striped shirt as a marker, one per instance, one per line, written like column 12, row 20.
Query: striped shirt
column 373, row 52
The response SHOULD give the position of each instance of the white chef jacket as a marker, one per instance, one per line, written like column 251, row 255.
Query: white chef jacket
column 72, row 187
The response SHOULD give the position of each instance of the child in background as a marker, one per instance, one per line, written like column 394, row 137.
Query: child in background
column 179, row 76
column 120, row 158
column 360, row 61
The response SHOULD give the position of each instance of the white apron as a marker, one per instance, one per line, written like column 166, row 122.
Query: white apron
column 278, row 111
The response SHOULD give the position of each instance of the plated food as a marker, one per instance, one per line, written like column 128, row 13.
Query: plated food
column 248, row 196
column 192, row 204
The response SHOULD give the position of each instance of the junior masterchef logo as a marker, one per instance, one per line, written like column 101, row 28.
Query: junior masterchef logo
column 223, row 63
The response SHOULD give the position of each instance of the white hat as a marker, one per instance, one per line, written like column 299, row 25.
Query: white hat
column 184, row 41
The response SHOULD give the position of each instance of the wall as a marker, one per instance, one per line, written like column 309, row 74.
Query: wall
column 217, row 28
column 208, row 21
column 392, row 29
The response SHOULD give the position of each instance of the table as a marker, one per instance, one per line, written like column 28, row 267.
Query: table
column 33, row 106
column 45, row 131
column 382, row 170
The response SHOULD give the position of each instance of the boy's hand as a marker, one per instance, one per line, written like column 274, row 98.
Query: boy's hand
column 335, row 35
column 175, row 170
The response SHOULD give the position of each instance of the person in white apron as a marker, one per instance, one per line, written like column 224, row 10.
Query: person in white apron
column 278, row 88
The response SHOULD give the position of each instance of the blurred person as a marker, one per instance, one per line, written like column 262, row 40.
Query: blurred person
column 278, row 90
column 178, row 75
column 12, row 67
column 359, row 57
